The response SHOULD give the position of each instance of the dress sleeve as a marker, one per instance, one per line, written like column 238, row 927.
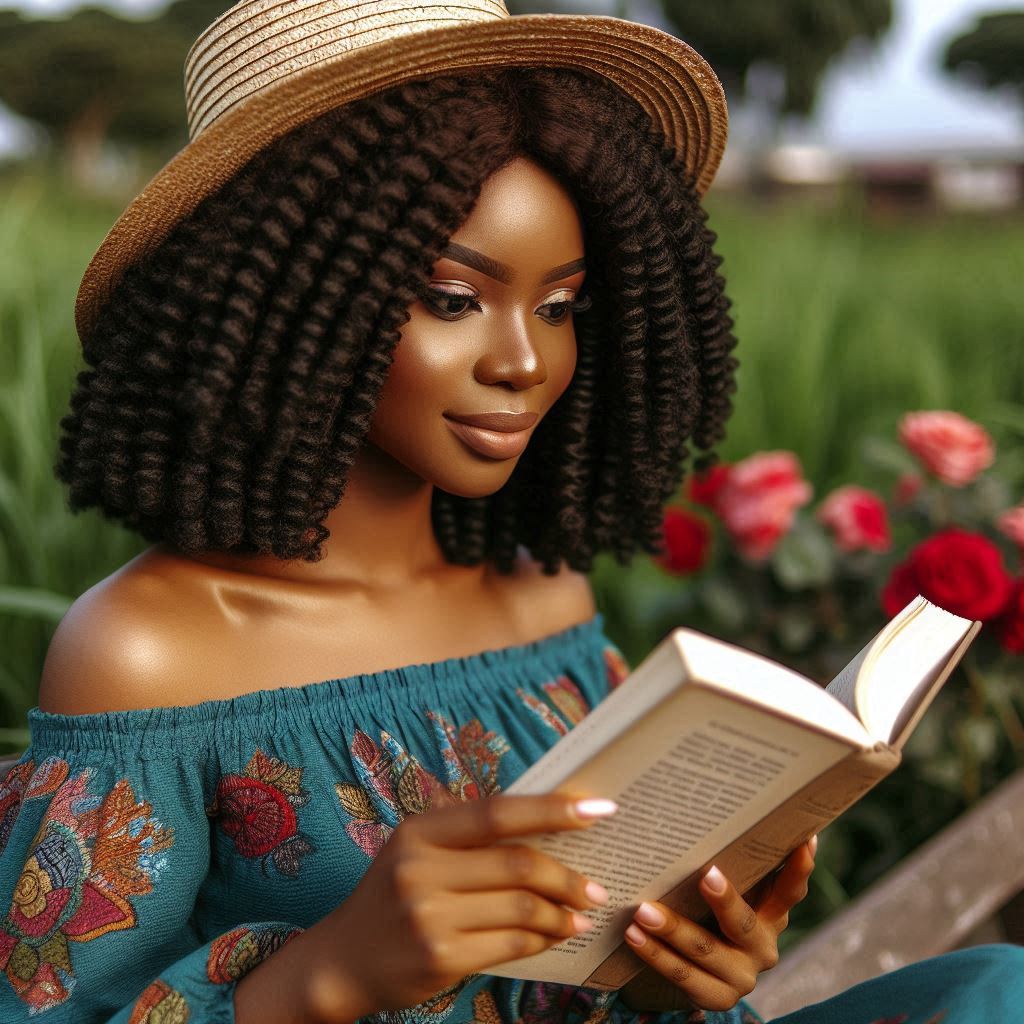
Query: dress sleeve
column 101, row 861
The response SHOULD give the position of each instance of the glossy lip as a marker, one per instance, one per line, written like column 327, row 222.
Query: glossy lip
column 506, row 422
column 495, row 442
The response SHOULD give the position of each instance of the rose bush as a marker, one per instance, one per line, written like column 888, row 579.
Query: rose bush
column 747, row 559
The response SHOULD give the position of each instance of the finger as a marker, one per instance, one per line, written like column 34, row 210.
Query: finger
column 737, row 919
column 515, row 866
column 513, row 908
column 703, row 988
column 476, row 951
column 697, row 945
column 789, row 886
column 482, row 822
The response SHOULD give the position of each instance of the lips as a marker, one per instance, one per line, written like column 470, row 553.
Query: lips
column 504, row 422
column 496, row 435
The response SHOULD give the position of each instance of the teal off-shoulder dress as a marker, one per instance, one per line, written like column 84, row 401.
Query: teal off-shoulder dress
column 150, row 858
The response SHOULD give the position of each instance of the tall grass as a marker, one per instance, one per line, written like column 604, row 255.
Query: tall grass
column 844, row 324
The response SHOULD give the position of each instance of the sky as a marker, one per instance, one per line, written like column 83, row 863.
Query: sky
column 896, row 100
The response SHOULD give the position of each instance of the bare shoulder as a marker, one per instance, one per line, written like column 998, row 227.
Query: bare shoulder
column 553, row 602
column 119, row 645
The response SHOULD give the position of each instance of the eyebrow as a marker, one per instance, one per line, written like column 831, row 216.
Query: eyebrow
column 500, row 271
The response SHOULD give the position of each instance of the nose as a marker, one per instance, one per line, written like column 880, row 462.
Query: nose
column 512, row 358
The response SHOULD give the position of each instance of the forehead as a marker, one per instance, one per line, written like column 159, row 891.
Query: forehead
column 524, row 218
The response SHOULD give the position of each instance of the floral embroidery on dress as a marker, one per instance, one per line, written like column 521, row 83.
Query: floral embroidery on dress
column 471, row 756
column 541, row 1003
column 393, row 784
column 432, row 1011
column 615, row 665
column 88, row 857
column 566, row 696
column 160, row 1004
column 12, row 790
column 257, row 811
column 237, row 952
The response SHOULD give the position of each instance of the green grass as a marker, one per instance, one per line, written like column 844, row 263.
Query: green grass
column 844, row 324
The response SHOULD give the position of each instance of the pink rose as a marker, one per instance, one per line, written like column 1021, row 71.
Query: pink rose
column 858, row 518
column 947, row 444
column 1012, row 524
column 758, row 501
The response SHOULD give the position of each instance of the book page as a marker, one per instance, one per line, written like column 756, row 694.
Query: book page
column 907, row 663
column 756, row 852
column 692, row 775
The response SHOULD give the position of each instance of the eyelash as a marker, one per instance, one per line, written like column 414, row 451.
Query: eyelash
column 435, row 293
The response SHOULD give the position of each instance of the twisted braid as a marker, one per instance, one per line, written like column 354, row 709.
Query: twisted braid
column 234, row 374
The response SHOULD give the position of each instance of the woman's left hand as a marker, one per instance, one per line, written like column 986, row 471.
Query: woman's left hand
column 715, row 971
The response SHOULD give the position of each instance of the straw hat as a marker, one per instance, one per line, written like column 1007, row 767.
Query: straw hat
column 265, row 67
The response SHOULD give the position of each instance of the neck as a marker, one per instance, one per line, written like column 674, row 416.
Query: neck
column 381, row 533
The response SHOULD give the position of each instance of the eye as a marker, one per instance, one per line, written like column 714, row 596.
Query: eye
column 450, row 302
column 557, row 310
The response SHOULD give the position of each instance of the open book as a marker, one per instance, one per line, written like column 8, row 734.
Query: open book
column 717, row 755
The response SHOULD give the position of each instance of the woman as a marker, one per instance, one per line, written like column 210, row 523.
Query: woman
column 379, row 397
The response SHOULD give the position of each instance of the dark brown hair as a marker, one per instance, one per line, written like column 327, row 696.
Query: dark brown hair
column 233, row 375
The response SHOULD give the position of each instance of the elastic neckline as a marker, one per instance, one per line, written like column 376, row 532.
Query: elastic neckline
column 387, row 685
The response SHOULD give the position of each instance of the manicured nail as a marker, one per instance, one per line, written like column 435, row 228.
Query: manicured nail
column 715, row 880
column 634, row 936
column 596, row 893
column 581, row 923
column 595, row 808
column 646, row 914
column 813, row 845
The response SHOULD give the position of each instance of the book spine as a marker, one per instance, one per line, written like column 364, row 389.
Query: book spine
column 765, row 845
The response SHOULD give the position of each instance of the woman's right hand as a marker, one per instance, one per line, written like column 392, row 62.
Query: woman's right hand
column 445, row 898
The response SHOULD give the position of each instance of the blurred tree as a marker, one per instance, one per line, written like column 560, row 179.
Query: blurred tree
column 93, row 76
column 795, row 38
column 992, row 53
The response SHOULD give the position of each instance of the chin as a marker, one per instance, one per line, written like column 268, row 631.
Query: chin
column 479, row 485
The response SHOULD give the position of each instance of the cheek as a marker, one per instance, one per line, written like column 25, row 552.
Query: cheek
column 420, row 374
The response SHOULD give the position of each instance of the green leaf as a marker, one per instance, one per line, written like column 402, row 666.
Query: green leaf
column 805, row 557
column 725, row 602
column 888, row 455
column 35, row 602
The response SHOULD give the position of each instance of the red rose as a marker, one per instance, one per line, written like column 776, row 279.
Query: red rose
column 759, row 499
column 1010, row 625
column 858, row 518
column 947, row 444
column 960, row 571
column 687, row 540
column 703, row 488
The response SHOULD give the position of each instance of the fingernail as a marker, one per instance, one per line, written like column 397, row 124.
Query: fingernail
column 594, row 808
column 646, row 914
column 581, row 923
column 814, row 845
column 715, row 880
column 596, row 893
column 634, row 936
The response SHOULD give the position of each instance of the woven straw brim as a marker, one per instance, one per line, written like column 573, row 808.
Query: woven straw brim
column 669, row 79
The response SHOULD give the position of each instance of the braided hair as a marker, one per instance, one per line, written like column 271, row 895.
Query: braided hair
column 232, row 378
